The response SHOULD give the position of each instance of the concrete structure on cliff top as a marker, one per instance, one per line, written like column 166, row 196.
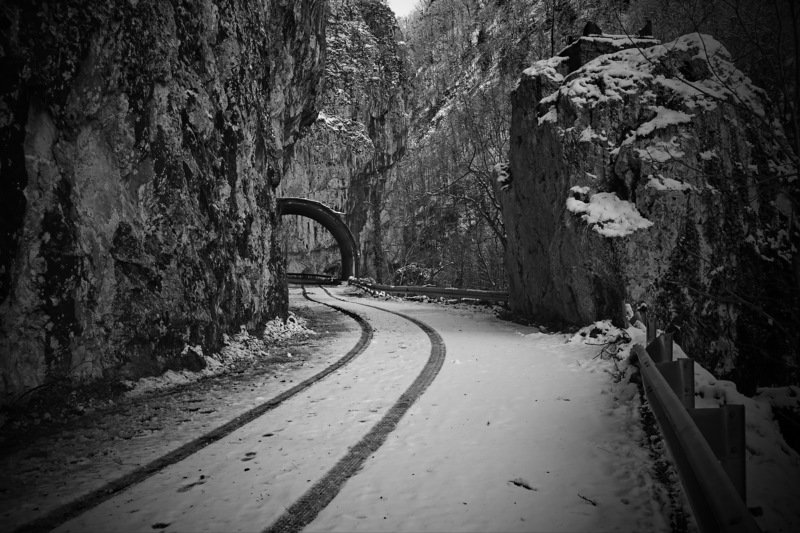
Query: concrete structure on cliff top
column 656, row 174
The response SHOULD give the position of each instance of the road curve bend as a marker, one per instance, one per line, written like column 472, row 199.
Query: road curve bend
column 304, row 510
column 81, row 504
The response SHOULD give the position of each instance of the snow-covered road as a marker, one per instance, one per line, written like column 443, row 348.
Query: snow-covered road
column 517, row 433
column 520, row 431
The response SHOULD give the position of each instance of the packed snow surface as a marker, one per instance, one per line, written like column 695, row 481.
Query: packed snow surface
column 521, row 430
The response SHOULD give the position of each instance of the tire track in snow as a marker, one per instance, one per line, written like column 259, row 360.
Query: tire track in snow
column 306, row 509
column 70, row 510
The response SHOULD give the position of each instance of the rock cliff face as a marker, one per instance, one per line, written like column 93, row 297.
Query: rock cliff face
column 360, row 133
column 141, row 145
column 659, row 175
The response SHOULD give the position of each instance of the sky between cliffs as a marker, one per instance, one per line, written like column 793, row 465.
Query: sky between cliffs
column 402, row 8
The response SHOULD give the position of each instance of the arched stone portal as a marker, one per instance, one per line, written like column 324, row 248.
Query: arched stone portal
column 332, row 221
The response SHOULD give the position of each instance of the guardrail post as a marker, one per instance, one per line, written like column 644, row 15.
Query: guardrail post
column 680, row 377
column 723, row 429
column 660, row 349
column 651, row 329
column 715, row 487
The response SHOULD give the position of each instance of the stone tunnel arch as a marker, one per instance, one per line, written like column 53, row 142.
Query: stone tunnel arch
column 330, row 220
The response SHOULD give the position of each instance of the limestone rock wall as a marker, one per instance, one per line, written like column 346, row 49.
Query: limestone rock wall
column 658, row 175
column 141, row 145
column 360, row 133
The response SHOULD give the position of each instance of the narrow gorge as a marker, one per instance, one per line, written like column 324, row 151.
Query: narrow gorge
column 399, row 265
column 345, row 158
column 475, row 144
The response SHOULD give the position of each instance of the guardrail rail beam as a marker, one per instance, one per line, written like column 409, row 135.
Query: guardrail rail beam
column 435, row 292
column 715, row 500
column 723, row 428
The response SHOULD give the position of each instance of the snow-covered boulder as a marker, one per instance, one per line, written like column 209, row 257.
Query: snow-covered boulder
column 657, row 174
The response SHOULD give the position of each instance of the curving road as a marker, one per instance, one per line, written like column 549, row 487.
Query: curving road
column 513, row 430
column 287, row 463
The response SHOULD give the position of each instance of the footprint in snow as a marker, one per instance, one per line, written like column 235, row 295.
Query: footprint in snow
column 190, row 486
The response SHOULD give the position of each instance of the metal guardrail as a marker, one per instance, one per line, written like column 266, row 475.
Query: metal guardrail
column 707, row 445
column 318, row 279
column 434, row 292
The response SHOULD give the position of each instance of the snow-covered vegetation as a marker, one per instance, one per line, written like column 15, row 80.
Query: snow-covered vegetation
column 239, row 348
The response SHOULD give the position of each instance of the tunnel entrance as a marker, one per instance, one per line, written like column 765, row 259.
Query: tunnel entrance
column 330, row 220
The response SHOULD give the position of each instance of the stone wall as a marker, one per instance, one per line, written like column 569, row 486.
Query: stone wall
column 141, row 143
column 658, row 175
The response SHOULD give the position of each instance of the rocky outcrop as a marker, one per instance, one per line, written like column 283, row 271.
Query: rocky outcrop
column 141, row 143
column 359, row 135
column 659, row 175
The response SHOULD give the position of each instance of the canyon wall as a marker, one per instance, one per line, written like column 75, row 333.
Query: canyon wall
column 657, row 175
column 142, row 142
column 343, row 160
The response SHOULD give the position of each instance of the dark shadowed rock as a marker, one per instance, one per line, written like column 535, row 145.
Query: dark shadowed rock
column 141, row 145
column 647, row 29
column 191, row 358
column 591, row 28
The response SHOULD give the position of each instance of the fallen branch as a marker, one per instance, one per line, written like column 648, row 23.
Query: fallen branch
column 519, row 482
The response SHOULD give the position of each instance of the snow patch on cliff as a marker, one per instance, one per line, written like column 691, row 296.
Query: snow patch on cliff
column 713, row 79
column 663, row 119
column 355, row 130
column 550, row 116
column 661, row 151
column 660, row 183
column 547, row 67
column 608, row 215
